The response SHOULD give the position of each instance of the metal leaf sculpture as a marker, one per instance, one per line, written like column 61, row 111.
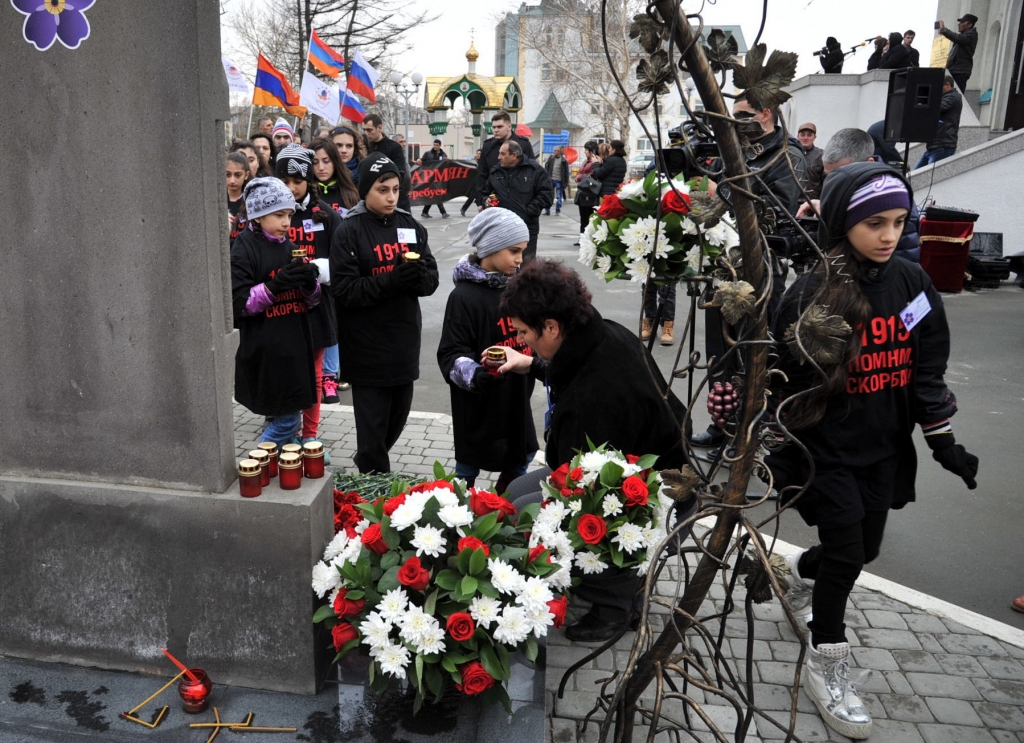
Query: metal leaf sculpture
column 650, row 33
column 706, row 209
column 682, row 483
column 770, row 77
column 823, row 336
column 735, row 299
column 756, row 577
column 721, row 50
column 654, row 74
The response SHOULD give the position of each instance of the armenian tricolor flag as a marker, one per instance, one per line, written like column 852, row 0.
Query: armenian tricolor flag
column 362, row 77
column 272, row 89
column 323, row 58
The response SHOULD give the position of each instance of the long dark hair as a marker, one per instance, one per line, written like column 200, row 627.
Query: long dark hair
column 239, row 158
column 347, row 189
column 268, row 166
column 359, row 152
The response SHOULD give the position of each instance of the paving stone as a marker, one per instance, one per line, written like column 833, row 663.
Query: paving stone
column 788, row 652
column 959, row 629
column 761, row 650
column 917, row 660
column 898, row 682
column 773, row 672
column 1002, row 668
column 890, row 639
column 809, row 726
column 906, row 708
column 929, row 643
column 591, row 679
column 934, row 733
column 770, row 612
column 778, row 697
column 869, row 600
column 563, row 656
column 1004, row 736
column 960, row 665
column 884, row 619
column 876, row 683
column 575, row 704
column 1013, row 650
column 940, row 685
column 875, row 658
column 970, row 644
column 953, row 711
column 1001, row 716
column 1001, row 690
column 562, row 730
column 893, row 731
column 874, row 704
column 855, row 618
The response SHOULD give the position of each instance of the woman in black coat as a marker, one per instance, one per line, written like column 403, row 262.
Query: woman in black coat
column 896, row 56
column 611, row 170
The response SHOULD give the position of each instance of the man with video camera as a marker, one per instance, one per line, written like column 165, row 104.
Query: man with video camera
column 831, row 56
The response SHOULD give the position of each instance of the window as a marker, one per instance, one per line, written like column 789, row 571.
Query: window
column 643, row 144
column 595, row 109
column 545, row 72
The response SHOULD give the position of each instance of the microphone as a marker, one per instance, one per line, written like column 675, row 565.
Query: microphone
column 866, row 41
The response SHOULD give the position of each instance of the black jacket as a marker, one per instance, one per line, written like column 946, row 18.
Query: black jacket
column 961, row 55
column 896, row 58
column 274, row 362
column 314, row 237
column 330, row 194
column 815, row 170
column 915, row 57
column 524, row 189
column 396, row 153
column 549, row 168
column 601, row 385
column 778, row 178
column 493, row 427
column 489, row 159
column 876, row 58
column 949, row 121
column 611, row 172
column 431, row 157
column 832, row 62
column 379, row 324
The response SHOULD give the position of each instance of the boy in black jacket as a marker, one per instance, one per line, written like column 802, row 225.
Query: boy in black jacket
column 376, row 290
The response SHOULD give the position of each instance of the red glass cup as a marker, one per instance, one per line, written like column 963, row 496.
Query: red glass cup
column 494, row 359
column 195, row 695
column 249, row 478
column 313, row 460
column 289, row 468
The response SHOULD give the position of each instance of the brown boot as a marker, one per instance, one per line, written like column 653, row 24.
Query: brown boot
column 666, row 332
column 648, row 328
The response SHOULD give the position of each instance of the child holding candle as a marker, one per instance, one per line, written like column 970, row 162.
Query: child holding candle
column 491, row 415
column 272, row 292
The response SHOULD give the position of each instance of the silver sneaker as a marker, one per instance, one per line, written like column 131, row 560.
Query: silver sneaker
column 828, row 684
column 798, row 597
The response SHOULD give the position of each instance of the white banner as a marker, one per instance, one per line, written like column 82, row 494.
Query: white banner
column 319, row 97
column 236, row 80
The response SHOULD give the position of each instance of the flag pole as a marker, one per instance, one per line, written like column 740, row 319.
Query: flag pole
column 249, row 127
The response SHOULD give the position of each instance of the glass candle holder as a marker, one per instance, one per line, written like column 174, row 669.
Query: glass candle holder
column 195, row 695
column 264, row 459
column 290, row 471
column 271, row 449
column 494, row 359
column 249, row 478
column 313, row 459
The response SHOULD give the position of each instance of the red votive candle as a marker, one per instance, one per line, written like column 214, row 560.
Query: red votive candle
column 313, row 459
column 249, row 484
column 290, row 471
column 494, row 359
column 195, row 694
column 264, row 459
column 271, row 449
column 291, row 449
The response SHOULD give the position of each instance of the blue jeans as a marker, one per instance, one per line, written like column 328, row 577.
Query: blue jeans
column 331, row 360
column 469, row 472
column 558, row 197
column 930, row 157
column 282, row 429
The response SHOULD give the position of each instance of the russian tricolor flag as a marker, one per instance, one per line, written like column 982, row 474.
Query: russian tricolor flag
column 323, row 58
column 272, row 89
column 362, row 77
column 351, row 108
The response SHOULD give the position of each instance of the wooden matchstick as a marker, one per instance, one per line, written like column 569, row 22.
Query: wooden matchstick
column 250, row 728
column 159, row 691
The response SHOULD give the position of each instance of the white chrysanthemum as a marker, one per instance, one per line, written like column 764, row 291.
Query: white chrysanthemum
column 325, row 579
column 430, row 642
column 600, row 233
column 428, row 540
column 392, row 605
column 415, row 622
column 630, row 538
column 633, row 189
column 604, row 264
column 680, row 186
column 575, row 505
column 540, row 620
column 455, row 516
column 513, row 626
column 689, row 227
column 693, row 259
column 551, row 514
column 653, row 536
column 717, row 235
column 561, row 579
column 643, row 567
column 336, row 546
column 376, row 630
column 333, row 595
column 407, row 514
column 590, row 230
column 590, row 563
column 535, row 594
column 484, row 610
column 504, row 577
column 393, row 659
column 588, row 253
column 562, row 545
column 638, row 271
column 444, row 496
column 362, row 526
column 593, row 461
column 351, row 552
column 611, row 506
column 639, row 237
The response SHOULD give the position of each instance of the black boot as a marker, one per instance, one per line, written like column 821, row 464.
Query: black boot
column 710, row 437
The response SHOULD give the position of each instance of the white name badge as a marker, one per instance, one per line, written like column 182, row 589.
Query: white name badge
column 310, row 226
column 407, row 235
column 342, row 211
column 915, row 312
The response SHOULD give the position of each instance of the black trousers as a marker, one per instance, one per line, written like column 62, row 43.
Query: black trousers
column 380, row 414
column 426, row 209
column 530, row 254
column 585, row 212
column 960, row 78
column 666, row 293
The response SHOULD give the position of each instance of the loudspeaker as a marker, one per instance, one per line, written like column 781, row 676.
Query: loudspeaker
column 913, row 104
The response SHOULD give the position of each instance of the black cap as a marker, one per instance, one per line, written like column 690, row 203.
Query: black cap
column 371, row 168
column 969, row 18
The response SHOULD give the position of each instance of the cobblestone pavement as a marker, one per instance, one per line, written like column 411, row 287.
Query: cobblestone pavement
column 939, row 674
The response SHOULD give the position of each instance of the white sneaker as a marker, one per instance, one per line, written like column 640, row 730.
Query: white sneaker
column 798, row 597
column 828, row 684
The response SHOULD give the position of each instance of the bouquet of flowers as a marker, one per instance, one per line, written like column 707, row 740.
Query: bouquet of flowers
column 626, row 239
column 608, row 506
column 439, row 583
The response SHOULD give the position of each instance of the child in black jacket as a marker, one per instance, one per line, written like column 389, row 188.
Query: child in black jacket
column 491, row 416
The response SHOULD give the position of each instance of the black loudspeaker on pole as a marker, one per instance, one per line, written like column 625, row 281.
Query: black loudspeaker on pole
column 913, row 105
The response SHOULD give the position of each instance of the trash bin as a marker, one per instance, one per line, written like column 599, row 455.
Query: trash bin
column 944, row 251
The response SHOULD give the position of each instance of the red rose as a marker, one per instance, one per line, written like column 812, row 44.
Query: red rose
column 460, row 626
column 475, row 678
column 675, row 202
column 432, row 485
column 576, row 475
column 557, row 478
column 413, row 575
column 346, row 607
column 472, row 543
column 483, row 502
column 612, row 207
column 343, row 633
column 391, row 504
column 632, row 458
column 635, row 491
column 536, row 552
column 374, row 540
column 591, row 528
column 558, row 607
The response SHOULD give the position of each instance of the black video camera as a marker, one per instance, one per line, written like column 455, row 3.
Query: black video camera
column 691, row 148
column 823, row 50
column 787, row 242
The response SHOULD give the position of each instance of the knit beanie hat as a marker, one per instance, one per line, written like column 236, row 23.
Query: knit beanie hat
column 877, row 195
column 295, row 161
column 371, row 168
column 265, row 196
column 282, row 126
column 495, row 229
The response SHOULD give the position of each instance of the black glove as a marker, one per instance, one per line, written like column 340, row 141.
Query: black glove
column 483, row 380
column 953, row 457
column 306, row 274
column 283, row 280
column 408, row 276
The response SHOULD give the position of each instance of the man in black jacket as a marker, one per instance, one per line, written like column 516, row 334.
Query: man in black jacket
column 523, row 187
column 915, row 56
column 944, row 144
column 501, row 123
column 373, row 128
column 433, row 155
column 831, row 57
column 807, row 133
column 960, row 61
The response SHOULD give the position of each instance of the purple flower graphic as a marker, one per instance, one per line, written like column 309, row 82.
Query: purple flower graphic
column 49, row 20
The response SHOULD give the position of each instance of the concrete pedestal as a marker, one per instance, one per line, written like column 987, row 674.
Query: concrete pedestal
column 104, row 575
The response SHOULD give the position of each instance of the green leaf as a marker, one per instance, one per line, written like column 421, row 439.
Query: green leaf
column 506, row 668
column 482, row 526
column 527, row 516
column 647, row 461
column 324, row 612
column 616, row 556
column 349, row 646
column 468, row 586
column 477, row 562
column 435, row 682
column 486, row 588
column 491, row 663
column 430, row 513
column 388, row 581
column 429, row 604
column 447, row 579
column 439, row 473
column 368, row 511
column 447, row 664
column 531, row 649
column 611, row 475
column 390, row 534
column 462, row 561
column 419, row 671
column 388, row 560
column 417, row 703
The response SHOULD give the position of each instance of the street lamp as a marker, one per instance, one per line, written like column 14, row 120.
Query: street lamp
column 407, row 87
